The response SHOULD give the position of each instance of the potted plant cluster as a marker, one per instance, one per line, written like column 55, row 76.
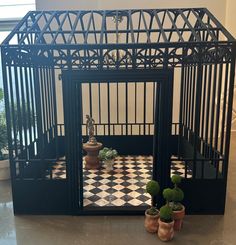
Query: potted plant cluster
column 170, row 217
column 4, row 161
column 166, row 222
column 108, row 155
column 176, row 205
column 152, row 214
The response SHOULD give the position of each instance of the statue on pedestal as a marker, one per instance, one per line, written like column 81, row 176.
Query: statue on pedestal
column 90, row 127
column 92, row 147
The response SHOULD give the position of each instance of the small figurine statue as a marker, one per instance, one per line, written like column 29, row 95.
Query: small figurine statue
column 90, row 127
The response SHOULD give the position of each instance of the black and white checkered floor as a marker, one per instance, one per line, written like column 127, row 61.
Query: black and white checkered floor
column 124, row 186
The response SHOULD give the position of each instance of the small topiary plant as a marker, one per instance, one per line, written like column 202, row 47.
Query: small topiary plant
column 166, row 214
column 168, row 195
column 152, row 189
column 178, row 194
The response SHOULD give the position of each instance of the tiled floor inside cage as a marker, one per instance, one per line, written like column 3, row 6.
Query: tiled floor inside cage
column 124, row 186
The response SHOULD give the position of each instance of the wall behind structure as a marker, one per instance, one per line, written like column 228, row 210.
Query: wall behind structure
column 217, row 7
column 231, row 26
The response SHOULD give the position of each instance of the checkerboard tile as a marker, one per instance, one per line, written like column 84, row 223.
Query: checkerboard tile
column 124, row 186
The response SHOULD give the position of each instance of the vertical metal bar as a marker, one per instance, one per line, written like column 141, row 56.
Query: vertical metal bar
column 37, row 88
column 224, row 108
column 213, row 108
column 30, row 116
column 108, row 107
column 208, row 103
column 181, row 108
column 190, row 97
column 117, row 102
column 197, row 112
column 18, row 108
column 193, row 97
column 204, row 100
column 229, row 113
column 185, row 99
column 99, row 102
column 144, row 109
column 90, row 100
column 54, row 98
column 126, row 106
column 33, row 106
column 218, row 107
column 23, row 109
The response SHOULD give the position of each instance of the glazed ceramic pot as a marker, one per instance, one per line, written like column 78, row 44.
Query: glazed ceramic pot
column 178, row 218
column 151, row 222
column 165, row 231
column 4, row 170
column 109, row 164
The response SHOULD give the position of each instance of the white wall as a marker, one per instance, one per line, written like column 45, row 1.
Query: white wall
column 231, row 26
column 218, row 7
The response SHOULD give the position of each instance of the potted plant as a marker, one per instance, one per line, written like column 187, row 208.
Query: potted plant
column 108, row 155
column 176, row 205
column 166, row 222
column 152, row 214
column 4, row 161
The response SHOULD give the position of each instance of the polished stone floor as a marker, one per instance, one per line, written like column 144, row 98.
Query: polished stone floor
column 115, row 230
column 125, row 185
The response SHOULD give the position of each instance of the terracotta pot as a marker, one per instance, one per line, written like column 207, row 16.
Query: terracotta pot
column 178, row 218
column 4, row 170
column 151, row 222
column 165, row 231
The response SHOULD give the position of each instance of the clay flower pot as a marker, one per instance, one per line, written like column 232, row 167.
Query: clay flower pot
column 151, row 222
column 165, row 231
column 178, row 218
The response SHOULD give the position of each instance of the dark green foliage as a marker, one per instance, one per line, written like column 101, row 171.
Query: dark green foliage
column 3, row 137
column 166, row 214
column 152, row 211
column 153, row 188
column 178, row 195
column 3, row 129
column 168, row 194
column 176, row 179
column 176, row 206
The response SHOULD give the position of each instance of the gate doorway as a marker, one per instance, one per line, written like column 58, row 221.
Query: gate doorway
column 133, row 114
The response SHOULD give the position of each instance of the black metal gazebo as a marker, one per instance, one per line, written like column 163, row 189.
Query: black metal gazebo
column 122, row 67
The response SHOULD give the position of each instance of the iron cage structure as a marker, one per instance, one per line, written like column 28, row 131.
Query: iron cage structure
column 158, row 82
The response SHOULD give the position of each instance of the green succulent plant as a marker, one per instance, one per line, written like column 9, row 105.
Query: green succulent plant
column 107, row 154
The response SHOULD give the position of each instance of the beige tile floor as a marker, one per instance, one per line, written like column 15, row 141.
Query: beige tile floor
column 115, row 230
